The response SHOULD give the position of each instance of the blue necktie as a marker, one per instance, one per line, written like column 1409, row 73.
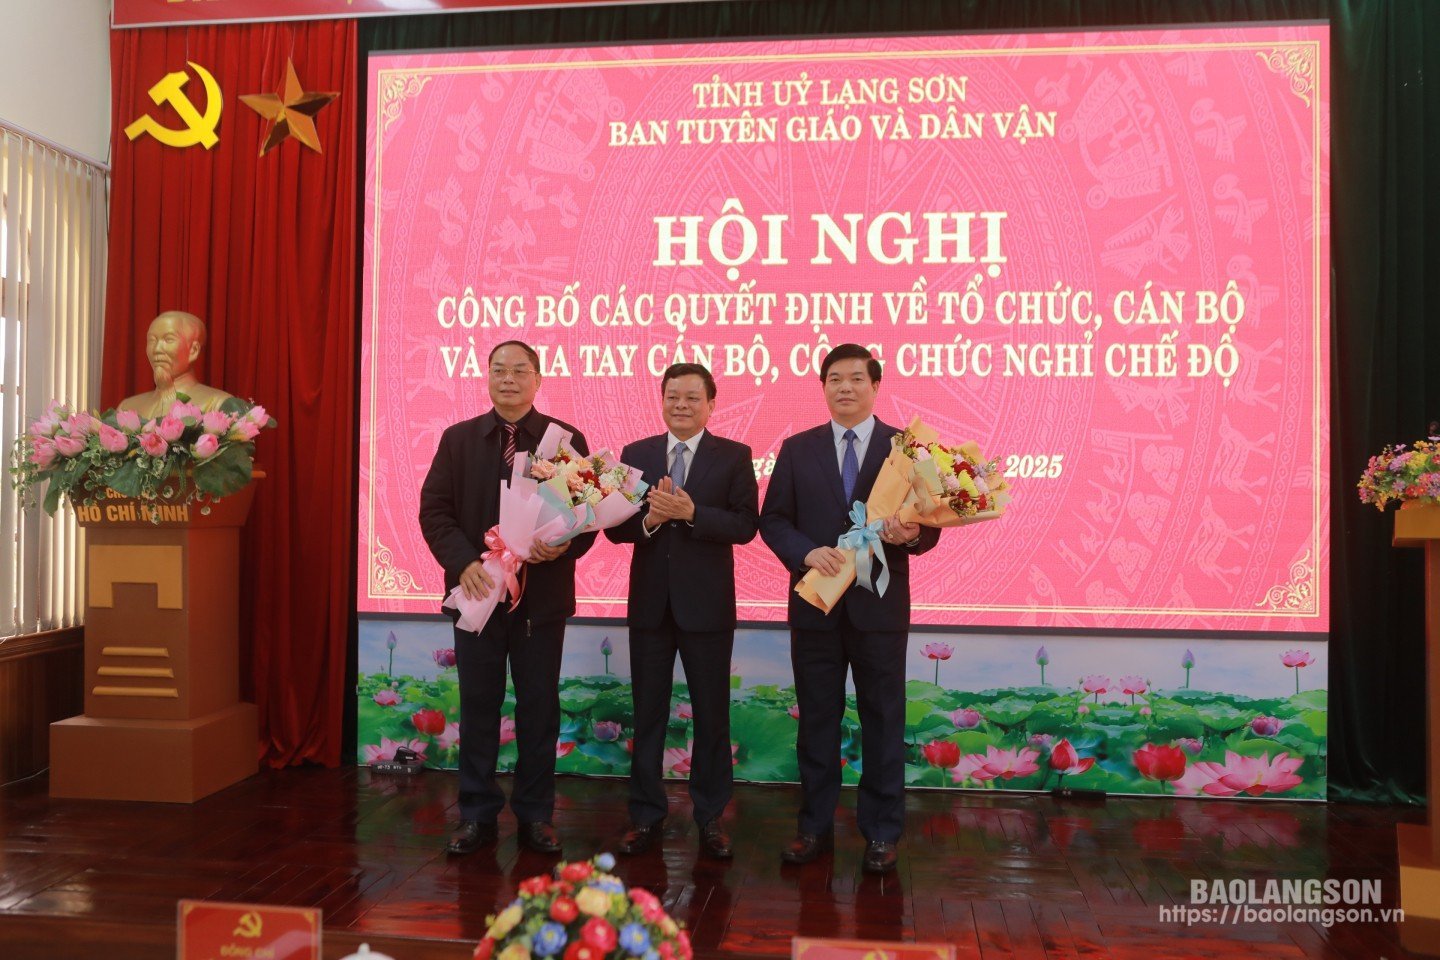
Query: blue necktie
column 677, row 467
column 850, row 466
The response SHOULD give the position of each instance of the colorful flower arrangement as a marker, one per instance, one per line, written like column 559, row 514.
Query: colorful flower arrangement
column 582, row 912
column 186, row 454
column 1403, row 475
column 966, row 480
column 587, row 480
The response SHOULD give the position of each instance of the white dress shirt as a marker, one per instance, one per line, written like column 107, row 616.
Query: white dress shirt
column 691, row 446
column 863, row 431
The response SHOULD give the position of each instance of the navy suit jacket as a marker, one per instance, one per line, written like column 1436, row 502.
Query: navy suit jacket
column 805, row 508
column 460, row 500
column 691, row 569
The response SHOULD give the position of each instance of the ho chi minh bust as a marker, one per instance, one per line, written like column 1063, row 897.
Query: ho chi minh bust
column 172, row 345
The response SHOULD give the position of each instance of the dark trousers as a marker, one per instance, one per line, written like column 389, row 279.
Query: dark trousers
column 877, row 663
column 706, row 658
column 533, row 650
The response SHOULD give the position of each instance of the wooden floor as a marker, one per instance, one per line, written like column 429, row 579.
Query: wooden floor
column 998, row 875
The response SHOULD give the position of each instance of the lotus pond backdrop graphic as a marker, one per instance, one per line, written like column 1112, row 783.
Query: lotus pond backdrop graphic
column 1208, row 718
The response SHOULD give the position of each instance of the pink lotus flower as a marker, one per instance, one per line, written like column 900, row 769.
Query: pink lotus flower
column 216, row 422
column 941, row 753
column 243, row 430
column 153, row 444
column 507, row 730
column 1133, row 685
column 1255, row 776
column 794, row 711
column 1162, row 762
column 429, row 722
column 1040, row 741
column 387, row 698
column 1083, row 709
column 180, row 410
column 258, row 416
column 112, row 439
column 965, row 769
column 81, row 424
column 128, row 420
column 43, row 454
column 68, row 446
column 1190, row 745
column 938, row 651
column 677, row 760
column 683, row 711
column 1296, row 658
column 444, row 657
column 564, row 748
column 170, row 428
column 1064, row 760
column 55, row 414
column 450, row 737
column 1266, row 726
column 1095, row 683
column 966, row 718
column 385, row 749
column 1007, row 764
column 1145, row 711
column 207, row 446
column 607, row 731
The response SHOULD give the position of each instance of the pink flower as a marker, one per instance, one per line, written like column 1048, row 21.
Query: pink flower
column 243, row 430
column 170, row 428
column 68, row 446
column 385, row 749
column 1266, row 726
column 507, row 730
column 683, row 711
column 1132, row 685
column 216, row 422
column 43, row 454
column 257, row 416
column 1145, row 711
column 564, row 748
column 1083, row 709
column 1064, row 760
column 112, row 439
column 941, row 753
column 449, row 737
column 965, row 769
column 794, row 712
column 607, row 731
column 429, row 722
column 207, row 446
column 1040, row 741
column 1255, row 776
column 387, row 698
column 444, row 657
column 542, row 470
column 1007, row 764
column 80, row 425
column 1190, row 745
column 128, row 420
column 1163, row 762
column 153, row 444
column 1296, row 658
column 1095, row 683
column 938, row 651
column 180, row 410
column 966, row 718
column 677, row 760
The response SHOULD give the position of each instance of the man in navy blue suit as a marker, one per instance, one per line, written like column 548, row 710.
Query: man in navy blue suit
column 818, row 475
column 702, row 503
column 459, row 501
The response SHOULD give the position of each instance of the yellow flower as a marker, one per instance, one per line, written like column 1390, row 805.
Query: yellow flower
column 593, row 902
column 669, row 927
column 504, row 923
column 967, row 484
column 516, row 951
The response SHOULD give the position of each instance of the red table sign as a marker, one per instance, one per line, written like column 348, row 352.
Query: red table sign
column 806, row 948
column 247, row 931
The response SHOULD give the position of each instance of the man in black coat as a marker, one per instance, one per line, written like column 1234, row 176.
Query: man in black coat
column 459, row 502
column 682, row 598
column 818, row 475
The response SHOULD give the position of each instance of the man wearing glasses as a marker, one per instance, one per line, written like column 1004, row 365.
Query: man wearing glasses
column 459, row 501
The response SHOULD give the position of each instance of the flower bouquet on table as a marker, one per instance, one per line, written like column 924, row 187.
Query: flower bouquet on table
column 922, row 481
column 582, row 912
column 1403, row 475
column 554, row 495
column 180, row 457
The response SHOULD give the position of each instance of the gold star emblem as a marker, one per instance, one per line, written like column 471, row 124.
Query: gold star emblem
column 293, row 114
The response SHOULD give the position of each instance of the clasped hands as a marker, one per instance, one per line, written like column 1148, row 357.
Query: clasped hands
column 829, row 560
column 668, row 502
column 477, row 584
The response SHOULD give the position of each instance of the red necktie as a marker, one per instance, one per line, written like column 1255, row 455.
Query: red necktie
column 507, row 451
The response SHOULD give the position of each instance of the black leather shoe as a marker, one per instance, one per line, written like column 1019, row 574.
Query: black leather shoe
column 807, row 846
column 880, row 857
column 640, row 838
column 715, row 842
column 471, row 836
column 538, row 836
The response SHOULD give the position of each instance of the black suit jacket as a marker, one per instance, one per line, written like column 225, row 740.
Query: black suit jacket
column 460, row 500
column 805, row 508
column 691, row 569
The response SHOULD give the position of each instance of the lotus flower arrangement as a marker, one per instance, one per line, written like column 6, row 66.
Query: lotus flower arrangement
column 582, row 912
column 182, row 456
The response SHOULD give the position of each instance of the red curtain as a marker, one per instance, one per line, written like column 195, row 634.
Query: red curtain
column 263, row 250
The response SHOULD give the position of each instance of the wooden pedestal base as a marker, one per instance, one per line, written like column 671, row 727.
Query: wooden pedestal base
column 175, row 761
column 1419, row 890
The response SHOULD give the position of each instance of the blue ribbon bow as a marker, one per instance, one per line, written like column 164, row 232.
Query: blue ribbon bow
column 864, row 539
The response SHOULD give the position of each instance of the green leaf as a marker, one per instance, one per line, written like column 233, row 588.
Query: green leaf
column 127, row 479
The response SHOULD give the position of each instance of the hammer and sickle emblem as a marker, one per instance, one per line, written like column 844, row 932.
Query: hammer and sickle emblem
column 198, row 128
column 250, row 924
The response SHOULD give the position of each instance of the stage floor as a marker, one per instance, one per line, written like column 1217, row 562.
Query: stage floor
column 998, row 875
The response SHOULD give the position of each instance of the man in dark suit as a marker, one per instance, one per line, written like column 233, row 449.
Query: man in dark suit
column 682, row 598
column 459, row 502
column 818, row 475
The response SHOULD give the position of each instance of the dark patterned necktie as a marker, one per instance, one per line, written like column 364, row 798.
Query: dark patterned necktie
column 507, row 451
